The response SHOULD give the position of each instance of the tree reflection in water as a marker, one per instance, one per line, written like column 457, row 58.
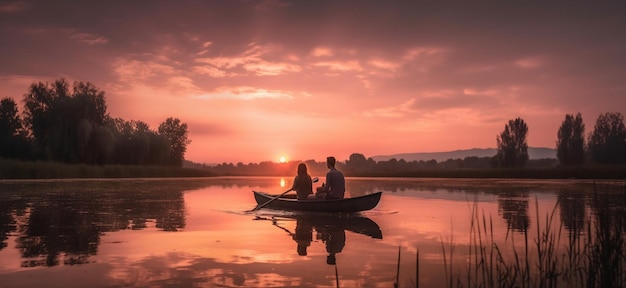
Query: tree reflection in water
column 64, row 224
column 513, row 207
column 572, row 209
column 53, row 224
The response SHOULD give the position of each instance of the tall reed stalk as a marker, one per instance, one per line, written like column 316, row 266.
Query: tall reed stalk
column 590, row 258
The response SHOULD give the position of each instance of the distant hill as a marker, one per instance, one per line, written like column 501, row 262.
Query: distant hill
column 533, row 153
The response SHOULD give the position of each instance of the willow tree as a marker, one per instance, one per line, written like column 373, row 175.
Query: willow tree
column 512, row 146
column 570, row 144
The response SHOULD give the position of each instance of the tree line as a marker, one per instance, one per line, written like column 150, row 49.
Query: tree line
column 71, row 125
column 606, row 144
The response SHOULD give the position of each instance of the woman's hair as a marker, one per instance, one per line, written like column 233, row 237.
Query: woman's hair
column 302, row 169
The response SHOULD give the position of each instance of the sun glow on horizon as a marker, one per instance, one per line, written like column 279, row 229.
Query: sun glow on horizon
column 282, row 159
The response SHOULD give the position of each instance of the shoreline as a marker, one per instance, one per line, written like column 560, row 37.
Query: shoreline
column 18, row 169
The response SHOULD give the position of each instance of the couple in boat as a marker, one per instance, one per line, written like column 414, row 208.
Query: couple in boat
column 334, row 188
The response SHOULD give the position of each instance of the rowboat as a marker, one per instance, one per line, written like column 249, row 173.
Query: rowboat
column 346, row 205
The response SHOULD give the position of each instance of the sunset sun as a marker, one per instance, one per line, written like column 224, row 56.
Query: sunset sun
column 282, row 159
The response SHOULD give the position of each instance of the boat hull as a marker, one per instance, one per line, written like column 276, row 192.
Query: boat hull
column 346, row 205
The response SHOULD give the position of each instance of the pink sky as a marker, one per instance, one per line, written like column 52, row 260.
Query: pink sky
column 256, row 80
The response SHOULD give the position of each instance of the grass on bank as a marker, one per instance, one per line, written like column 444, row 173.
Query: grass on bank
column 14, row 169
column 559, row 172
column 18, row 169
column 593, row 257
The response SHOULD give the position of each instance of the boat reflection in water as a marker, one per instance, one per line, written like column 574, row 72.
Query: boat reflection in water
column 330, row 229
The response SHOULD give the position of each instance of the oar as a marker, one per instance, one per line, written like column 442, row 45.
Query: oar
column 281, row 195
column 337, row 275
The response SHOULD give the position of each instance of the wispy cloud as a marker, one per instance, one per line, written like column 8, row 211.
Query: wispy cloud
column 400, row 110
column 244, row 93
column 131, row 70
column 531, row 62
column 12, row 7
column 322, row 52
column 89, row 39
column 340, row 66
column 211, row 71
column 266, row 68
column 472, row 91
column 251, row 61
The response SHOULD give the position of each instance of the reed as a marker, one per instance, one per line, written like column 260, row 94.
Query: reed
column 590, row 258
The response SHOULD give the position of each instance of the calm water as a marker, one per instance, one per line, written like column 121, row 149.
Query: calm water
column 197, row 233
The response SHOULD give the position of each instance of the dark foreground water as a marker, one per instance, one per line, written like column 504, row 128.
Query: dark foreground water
column 197, row 233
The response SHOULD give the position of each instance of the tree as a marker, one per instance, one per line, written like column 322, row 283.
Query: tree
column 570, row 144
column 13, row 142
column 136, row 144
column 67, row 127
column 607, row 142
column 176, row 134
column 512, row 146
column 10, row 122
column 38, row 103
column 357, row 163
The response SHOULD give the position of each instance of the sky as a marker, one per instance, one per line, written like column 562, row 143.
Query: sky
column 256, row 80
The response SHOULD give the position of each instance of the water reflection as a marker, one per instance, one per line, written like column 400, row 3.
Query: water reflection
column 64, row 227
column 330, row 229
column 513, row 207
column 54, row 225
column 572, row 209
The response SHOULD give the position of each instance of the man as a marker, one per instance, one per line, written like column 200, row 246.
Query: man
column 335, row 187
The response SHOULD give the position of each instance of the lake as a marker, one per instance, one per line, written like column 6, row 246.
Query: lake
column 197, row 233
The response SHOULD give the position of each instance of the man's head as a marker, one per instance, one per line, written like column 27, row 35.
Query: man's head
column 330, row 162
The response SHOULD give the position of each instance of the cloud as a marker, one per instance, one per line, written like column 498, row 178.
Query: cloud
column 322, row 52
column 266, row 68
column 244, row 93
column 471, row 91
column 211, row 71
column 89, row 39
column 383, row 64
column 131, row 70
column 184, row 83
column 528, row 63
column 417, row 53
column 252, row 60
column 340, row 66
column 13, row 7
column 397, row 111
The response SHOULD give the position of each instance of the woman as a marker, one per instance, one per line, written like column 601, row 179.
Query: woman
column 302, row 183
